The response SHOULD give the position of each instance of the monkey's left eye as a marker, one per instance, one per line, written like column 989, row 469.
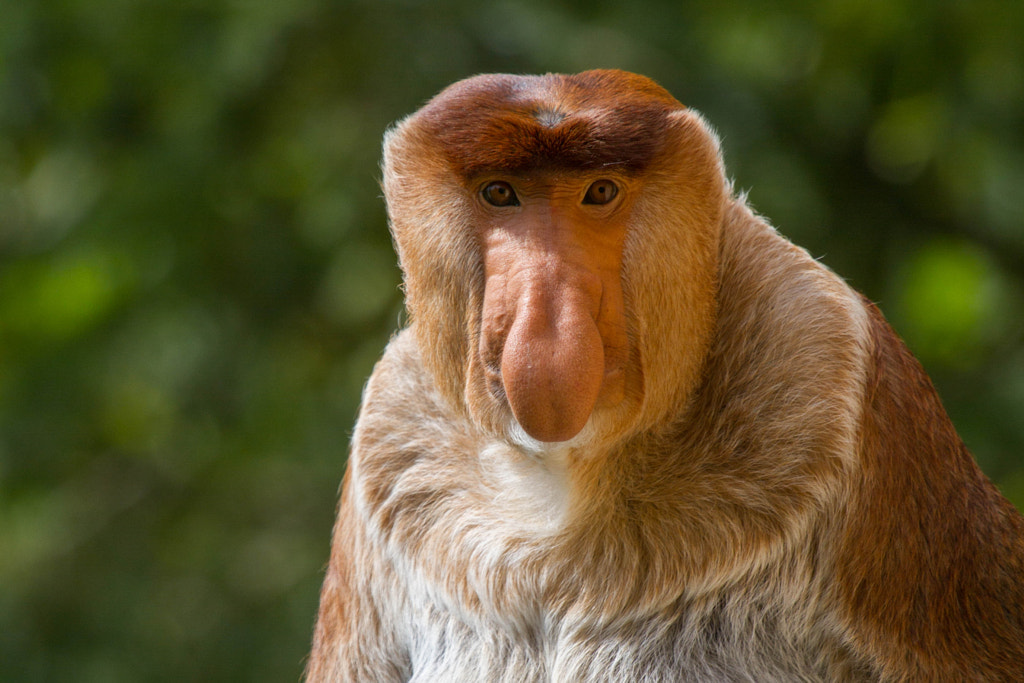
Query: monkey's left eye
column 500, row 194
column 601, row 192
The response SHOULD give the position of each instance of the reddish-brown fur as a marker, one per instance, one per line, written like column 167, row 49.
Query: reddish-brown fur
column 760, row 482
column 522, row 128
column 931, row 561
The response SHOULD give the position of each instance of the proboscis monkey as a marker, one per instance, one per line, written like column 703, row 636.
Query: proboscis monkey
column 633, row 434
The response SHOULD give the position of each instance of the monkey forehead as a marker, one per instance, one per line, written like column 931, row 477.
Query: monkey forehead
column 506, row 123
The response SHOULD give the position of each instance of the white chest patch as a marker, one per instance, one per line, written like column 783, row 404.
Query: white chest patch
column 531, row 487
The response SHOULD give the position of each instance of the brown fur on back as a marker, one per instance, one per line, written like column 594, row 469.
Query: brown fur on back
column 932, row 557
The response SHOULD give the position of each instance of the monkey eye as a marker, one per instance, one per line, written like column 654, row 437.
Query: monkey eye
column 601, row 192
column 500, row 193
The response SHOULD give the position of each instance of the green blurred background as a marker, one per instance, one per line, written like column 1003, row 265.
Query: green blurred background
column 196, row 277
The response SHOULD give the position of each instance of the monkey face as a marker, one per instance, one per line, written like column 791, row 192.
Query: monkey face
column 550, row 229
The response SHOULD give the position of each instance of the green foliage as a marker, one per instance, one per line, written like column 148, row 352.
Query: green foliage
column 196, row 277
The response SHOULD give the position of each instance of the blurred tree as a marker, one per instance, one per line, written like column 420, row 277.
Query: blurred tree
column 196, row 277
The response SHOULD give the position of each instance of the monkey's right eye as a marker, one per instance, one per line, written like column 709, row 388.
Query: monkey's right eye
column 500, row 194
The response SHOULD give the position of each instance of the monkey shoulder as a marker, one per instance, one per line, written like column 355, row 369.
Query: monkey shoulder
column 780, row 308
column 403, row 416
column 787, row 368
column 400, row 389
column 410, row 450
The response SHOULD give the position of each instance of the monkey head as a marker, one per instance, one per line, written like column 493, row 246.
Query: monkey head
column 558, row 238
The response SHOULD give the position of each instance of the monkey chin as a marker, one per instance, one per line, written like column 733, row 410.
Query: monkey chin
column 517, row 436
column 611, row 415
